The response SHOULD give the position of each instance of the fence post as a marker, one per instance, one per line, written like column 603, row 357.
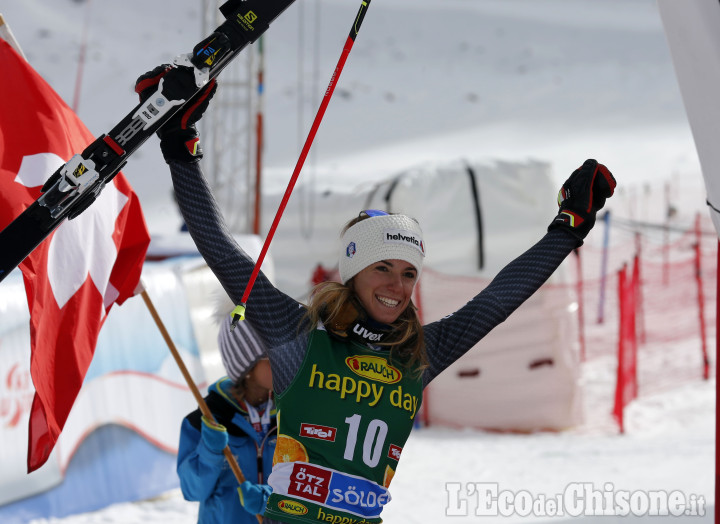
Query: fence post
column 626, row 385
column 666, row 236
column 701, row 297
column 603, row 269
column 581, row 314
column 618, row 411
column 638, row 281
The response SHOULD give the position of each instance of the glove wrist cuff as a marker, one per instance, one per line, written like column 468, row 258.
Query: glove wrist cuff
column 578, row 235
column 181, row 146
column 578, row 224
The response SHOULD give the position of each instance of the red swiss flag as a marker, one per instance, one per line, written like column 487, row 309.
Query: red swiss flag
column 85, row 266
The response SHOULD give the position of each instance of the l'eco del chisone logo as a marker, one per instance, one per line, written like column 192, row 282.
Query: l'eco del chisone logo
column 374, row 368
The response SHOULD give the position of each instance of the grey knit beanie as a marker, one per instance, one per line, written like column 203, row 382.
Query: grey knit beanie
column 240, row 349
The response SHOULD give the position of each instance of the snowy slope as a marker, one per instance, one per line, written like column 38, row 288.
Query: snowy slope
column 551, row 80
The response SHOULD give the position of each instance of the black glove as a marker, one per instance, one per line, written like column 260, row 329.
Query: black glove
column 179, row 139
column 580, row 198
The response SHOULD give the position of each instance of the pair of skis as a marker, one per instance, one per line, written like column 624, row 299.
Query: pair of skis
column 77, row 184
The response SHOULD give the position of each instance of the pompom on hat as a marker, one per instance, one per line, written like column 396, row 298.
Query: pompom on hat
column 240, row 348
column 380, row 237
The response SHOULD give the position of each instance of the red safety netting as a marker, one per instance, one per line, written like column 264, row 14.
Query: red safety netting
column 670, row 299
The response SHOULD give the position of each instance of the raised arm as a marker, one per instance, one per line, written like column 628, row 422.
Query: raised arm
column 271, row 311
column 582, row 195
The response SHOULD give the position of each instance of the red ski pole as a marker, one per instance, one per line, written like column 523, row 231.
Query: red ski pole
column 239, row 312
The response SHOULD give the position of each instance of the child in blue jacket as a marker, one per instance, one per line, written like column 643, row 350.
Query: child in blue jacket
column 245, row 420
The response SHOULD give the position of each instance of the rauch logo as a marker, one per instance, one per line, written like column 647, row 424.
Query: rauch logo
column 292, row 507
column 374, row 368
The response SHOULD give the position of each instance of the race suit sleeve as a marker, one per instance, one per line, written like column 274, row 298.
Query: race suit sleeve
column 276, row 317
column 197, row 466
column 450, row 338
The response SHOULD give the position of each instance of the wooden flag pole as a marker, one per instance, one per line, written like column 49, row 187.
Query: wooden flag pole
column 191, row 383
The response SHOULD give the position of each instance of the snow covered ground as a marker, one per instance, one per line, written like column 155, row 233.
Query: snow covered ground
column 668, row 447
column 431, row 80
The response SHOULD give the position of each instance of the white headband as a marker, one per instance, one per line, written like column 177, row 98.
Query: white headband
column 379, row 238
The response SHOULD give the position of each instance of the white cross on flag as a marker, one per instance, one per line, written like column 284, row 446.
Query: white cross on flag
column 85, row 266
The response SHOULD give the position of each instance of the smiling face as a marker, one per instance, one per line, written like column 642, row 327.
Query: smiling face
column 385, row 288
